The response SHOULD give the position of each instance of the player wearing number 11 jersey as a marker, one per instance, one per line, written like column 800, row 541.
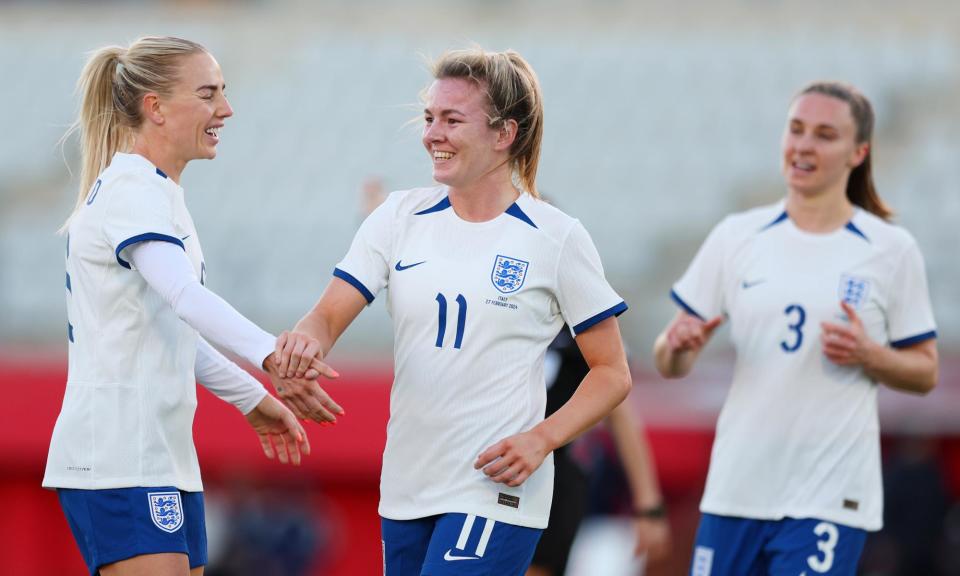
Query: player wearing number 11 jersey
column 480, row 276
column 825, row 299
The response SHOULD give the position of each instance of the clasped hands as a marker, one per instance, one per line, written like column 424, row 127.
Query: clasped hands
column 294, row 368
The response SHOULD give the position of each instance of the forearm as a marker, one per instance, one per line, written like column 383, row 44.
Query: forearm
column 226, row 380
column 672, row 363
column 604, row 387
column 636, row 457
column 168, row 271
column 913, row 369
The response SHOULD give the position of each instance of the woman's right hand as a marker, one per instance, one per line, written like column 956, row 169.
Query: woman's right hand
column 299, row 355
column 688, row 333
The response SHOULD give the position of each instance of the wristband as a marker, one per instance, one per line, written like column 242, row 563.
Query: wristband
column 653, row 512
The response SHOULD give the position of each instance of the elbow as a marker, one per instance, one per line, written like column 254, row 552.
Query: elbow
column 623, row 383
column 927, row 385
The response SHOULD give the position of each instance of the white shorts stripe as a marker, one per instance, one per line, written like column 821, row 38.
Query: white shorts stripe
column 465, row 531
column 485, row 537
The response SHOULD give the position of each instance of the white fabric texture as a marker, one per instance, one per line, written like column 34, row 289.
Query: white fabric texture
column 167, row 270
column 798, row 436
column 474, row 307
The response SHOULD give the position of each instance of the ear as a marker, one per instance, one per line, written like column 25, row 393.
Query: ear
column 506, row 135
column 859, row 155
column 152, row 110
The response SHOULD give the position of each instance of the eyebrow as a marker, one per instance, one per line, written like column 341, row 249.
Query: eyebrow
column 445, row 112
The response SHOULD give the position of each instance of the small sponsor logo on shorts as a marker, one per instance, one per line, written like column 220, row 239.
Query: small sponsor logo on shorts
column 508, row 500
column 702, row 561
column 851, row 504
column 165, row 510
column 450, row 557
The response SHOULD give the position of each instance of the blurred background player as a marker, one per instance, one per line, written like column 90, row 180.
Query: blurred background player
column 825, row 298
column 481, row 275
column 565, row 369
column 122, row 454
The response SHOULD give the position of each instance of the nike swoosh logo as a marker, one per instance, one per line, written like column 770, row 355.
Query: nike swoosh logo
column 450, row 557
column 185, row 237
column 747, row 284
column 400, row 267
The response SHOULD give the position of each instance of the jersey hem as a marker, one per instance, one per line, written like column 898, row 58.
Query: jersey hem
column 910, row 341
column 351, row 280
column 130, row 482
column 484, row 512
column 686, row 307
column 829, row 516
column 148, row 237
column 597, row 318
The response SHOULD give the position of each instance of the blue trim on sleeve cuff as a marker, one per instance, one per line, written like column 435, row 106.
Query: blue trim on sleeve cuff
column 148, row 237
column 907, row 342
column 597, row 318
column 686, row 307
column 349, row 279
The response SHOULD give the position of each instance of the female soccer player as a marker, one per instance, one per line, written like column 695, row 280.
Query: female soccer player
column 122, row 454
column 825, row 298
column 481, row 276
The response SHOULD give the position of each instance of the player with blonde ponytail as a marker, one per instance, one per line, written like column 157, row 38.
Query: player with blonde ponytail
column 139, row 319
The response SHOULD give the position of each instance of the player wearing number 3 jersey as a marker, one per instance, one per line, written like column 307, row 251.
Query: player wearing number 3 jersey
column 481, row 275
column 825, row 299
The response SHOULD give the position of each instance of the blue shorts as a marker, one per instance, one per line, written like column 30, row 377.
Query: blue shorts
column 460, row 544
column 731, row 546
column 120, row 523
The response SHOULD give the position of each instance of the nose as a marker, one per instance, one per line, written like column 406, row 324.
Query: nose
column 226, row 110
column 432, row 132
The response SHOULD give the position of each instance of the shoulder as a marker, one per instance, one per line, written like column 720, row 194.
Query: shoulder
column 884, row 236
column 417, row 200
column 135, row 179
column 548, row 220
column 740, row 227
column 752, row 221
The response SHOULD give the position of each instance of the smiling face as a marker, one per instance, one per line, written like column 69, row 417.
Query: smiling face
column 819, row 144
column 457, row 133
column 196, row 108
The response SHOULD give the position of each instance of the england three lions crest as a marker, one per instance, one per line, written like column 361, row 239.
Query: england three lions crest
column 854, row 290
column 166, row 511
column 508, row 273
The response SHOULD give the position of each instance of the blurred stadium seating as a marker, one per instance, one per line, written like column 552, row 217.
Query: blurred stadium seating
column 661, row 118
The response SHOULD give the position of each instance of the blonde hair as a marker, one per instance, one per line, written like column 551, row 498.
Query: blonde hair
column 513, row 93
column 112, row 86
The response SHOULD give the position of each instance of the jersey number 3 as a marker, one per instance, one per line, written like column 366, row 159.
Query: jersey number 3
column 461, row 319
column 796, row 315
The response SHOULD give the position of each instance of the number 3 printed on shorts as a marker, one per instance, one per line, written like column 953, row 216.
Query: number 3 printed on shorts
column 825, row 547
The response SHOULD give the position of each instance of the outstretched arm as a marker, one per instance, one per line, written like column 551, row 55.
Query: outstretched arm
column 280, row 433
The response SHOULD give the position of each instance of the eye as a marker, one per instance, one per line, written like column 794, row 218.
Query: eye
column 428, row 120
column 453, row 121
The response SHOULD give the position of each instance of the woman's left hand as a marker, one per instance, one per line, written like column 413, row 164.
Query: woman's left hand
column 847, row 345
column 280, row 434
column 514, row 459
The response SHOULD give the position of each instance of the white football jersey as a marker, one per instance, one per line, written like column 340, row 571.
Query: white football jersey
column 798, row 436
column 474, row 306
column 127, row 414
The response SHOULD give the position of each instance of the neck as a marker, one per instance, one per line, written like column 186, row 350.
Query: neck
column 819, row 213
column 486, row 198
column 158, row 153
